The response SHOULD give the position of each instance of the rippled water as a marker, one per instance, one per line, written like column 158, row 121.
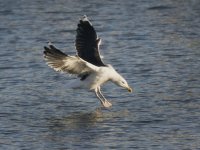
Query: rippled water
column 155, row 45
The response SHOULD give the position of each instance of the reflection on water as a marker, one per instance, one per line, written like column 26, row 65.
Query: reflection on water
column 77, row 121
column 83, row 120
column 83, row 127
column 153, row 44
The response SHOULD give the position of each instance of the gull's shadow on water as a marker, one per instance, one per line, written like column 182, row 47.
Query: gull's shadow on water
column 82, row 120
column 77, row 120
column 81, row 126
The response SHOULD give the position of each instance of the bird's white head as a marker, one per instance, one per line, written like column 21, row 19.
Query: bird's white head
column 119, row 80
column 123, row 83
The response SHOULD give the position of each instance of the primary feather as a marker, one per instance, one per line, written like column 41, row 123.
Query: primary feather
column 62, row 62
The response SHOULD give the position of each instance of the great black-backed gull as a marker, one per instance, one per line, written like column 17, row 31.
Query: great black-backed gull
column 87, row 64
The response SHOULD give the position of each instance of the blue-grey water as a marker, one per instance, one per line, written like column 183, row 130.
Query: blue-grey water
column 154, row 44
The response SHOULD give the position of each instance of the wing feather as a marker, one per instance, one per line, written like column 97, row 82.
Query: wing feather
column 62, row 62
column 87, row 43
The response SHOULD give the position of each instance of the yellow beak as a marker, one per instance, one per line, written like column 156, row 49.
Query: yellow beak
column 129, row 89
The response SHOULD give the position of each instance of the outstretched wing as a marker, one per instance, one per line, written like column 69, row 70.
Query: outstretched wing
column 59, row 61
column 87, row 43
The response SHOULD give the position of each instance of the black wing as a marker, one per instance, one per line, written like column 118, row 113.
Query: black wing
column 87, row 43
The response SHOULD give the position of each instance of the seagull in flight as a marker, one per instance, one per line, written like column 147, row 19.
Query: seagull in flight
column 87, row 64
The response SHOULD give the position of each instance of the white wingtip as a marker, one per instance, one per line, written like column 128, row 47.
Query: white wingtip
column 85, row 19
column 49, row 43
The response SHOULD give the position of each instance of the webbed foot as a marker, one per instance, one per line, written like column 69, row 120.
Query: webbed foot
column 106, row 104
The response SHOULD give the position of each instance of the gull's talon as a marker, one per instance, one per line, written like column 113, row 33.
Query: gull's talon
column 107, row 104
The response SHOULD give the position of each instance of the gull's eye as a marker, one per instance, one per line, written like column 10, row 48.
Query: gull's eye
column 123, row 82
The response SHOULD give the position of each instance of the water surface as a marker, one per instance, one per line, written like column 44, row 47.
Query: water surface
column 154, row 45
